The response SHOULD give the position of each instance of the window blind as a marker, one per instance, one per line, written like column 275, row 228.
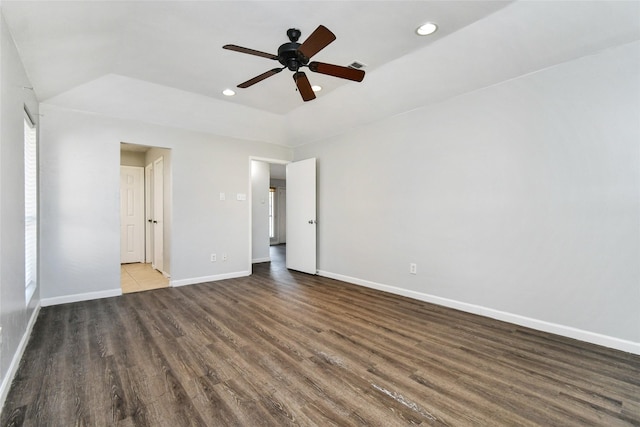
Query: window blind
column 30, row 206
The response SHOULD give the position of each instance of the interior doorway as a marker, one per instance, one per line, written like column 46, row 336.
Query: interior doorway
column 299, row 180
column 278, row 204
column 268, row 211
column 150, row 267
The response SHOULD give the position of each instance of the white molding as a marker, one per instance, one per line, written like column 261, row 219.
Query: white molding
column 269, row 160
column 204, row 279
column 45, row 302
column 540, row 325
column 17, row 356
column 259, row 260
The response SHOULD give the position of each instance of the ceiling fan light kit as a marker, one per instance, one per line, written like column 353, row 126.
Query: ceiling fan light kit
column 294, row 56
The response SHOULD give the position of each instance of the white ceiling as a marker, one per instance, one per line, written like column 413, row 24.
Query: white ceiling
column 163, row 62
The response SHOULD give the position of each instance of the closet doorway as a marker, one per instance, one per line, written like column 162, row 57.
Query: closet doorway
column 145, row 212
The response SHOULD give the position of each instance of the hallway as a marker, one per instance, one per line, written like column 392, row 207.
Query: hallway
column 278, row 254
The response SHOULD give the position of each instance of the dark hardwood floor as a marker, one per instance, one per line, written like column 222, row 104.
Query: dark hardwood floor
column 281, row 348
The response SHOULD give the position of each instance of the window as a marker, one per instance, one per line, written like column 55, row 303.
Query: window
column 272, row 192
column 30, row 206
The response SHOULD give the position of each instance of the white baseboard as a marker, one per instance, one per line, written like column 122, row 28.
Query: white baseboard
column 45, row 302
column 204, row 279
column 258, row 260
column 540, row 325
column 17, row 356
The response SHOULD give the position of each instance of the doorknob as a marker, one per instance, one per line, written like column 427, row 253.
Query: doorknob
column 311, row 221
column 155, row 222
column 149, row 220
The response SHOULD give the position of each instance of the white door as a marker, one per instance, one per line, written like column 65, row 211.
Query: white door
column 131, row 214
column 301, row 216
column 148, row 213
column 158, row 214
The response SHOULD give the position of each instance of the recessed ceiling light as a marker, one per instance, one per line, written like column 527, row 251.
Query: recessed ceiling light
column 426, row 29
column 228, row 92
column 316, row 88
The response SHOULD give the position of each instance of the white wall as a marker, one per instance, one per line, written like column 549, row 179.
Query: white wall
column 132, row 158
column 278, row 183
column 16, row 318
column 260, row 211
column 80, row 229
column 519, row 201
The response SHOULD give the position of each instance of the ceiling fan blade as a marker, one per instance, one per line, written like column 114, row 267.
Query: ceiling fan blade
column 317, row 41
column 249, row 51
column 337, row 71
column 304, row 86
column 259, row 78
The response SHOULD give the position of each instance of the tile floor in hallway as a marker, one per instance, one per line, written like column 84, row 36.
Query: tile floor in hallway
column 140, row 277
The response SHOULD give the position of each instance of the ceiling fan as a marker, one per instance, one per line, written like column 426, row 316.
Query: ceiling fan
column 294, row 56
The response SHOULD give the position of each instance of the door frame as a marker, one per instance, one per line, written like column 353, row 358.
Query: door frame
column 167, row 178
column 250, row 199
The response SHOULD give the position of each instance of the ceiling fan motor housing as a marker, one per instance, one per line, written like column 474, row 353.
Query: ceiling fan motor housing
column 290, row 57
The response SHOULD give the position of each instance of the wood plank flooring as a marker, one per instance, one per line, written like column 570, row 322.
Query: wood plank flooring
column 281, row 348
